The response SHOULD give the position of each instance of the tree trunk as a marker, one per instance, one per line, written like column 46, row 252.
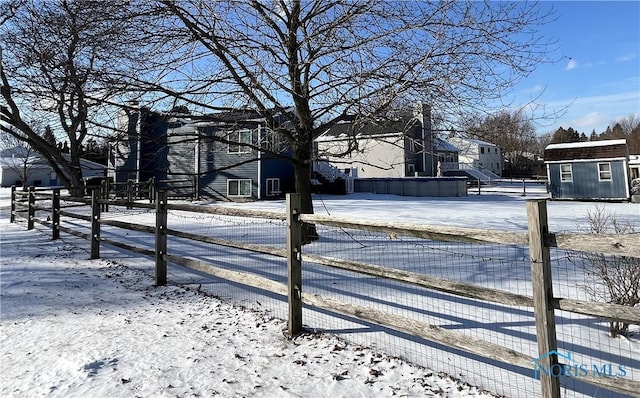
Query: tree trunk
column 76, row 184
column 302, row 171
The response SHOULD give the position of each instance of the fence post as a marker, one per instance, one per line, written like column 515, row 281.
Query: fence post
column 151, row 189
column 542, row 296
column 32, row 207
column 294, row 263
column 161, row 238
column 196, row 188
column 55, row 214
column 95, row 223
column 524, row 188
column 129, row 192
column 12, row 216
column 105, row 194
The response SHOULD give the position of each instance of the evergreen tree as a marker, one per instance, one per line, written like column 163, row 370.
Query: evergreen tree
column 48, row 136
column 618, row 132
column 561, row 136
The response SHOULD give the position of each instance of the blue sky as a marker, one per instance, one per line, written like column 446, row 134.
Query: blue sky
column 597, row 76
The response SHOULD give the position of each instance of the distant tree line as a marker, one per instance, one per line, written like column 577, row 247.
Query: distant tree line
column 515, row 133
column 628, row 128
column 94, row 149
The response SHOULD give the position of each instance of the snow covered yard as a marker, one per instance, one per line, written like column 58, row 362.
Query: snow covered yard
column 116, row 333
column 71, row 327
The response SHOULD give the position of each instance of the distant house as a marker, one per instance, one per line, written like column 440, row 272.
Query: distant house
column 382, row 149
column 593, row 170
column 228, row 155
column 634, row 166
column 39, row 173
column 483, row 157
column 400, row 156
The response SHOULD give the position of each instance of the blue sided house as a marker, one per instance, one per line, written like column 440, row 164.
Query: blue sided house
column 230, row 155
column 593, row 170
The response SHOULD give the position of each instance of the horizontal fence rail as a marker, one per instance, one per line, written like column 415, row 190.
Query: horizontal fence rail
column 538, row 239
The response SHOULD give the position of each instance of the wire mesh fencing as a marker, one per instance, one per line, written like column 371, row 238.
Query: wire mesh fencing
column 599, row 347
column 254, row 246
column 504, row 267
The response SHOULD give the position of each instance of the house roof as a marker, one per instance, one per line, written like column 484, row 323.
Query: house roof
column 86, row 164
column 586, row 144
column 444, row 146
column 233, row 116
column 348, row 129
column 18, row 162
column 471, row 141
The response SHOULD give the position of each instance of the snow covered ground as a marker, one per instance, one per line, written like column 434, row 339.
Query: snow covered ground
column 100, row 323
column 71, row 327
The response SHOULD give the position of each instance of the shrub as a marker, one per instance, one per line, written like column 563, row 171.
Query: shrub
column 613, row 279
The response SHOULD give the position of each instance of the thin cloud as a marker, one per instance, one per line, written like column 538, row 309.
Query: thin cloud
column 594, row 112
column 627, row 57
column 589, row 120
column 572, row 64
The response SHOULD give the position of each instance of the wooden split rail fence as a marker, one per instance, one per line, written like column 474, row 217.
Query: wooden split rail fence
column 538, row 238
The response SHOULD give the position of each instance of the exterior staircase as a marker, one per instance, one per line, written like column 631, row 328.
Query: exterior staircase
column 329, row 179
column 471, row 171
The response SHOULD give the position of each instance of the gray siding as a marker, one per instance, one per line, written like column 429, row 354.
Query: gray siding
column 586, row 184
column 198, row 153
column 181, row 156
column 218, row 166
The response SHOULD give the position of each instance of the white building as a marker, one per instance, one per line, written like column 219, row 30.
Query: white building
column 38, row 173
column 477, row 154
column 382, row 149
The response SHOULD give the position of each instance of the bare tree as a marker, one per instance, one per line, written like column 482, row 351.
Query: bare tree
column 628, row 123
column 613, row 279
column 630, row 126
column 328, row 59
column 22, row 157
column 514, row 132
column 62, row 61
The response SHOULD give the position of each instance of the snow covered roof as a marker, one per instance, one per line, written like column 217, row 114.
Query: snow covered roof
column 18, row 162
column 590, row 150
column 586, row 144
column 471, row 141
column 444, row 146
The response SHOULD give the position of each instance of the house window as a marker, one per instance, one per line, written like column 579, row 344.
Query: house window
column 604, row 171
column 238, row 139
column 240, row 188
column 481, row 149
column 566, row 173
column 273, row 186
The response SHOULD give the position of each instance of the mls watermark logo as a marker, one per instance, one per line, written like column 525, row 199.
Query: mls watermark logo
column 565, row 365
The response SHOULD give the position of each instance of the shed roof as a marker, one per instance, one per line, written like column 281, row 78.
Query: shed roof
column 586, row 144
column 606, row 149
